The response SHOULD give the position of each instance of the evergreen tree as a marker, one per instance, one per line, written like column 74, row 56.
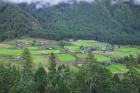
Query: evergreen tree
column 80, row 85
column 91, row 58
column 26, row 83
column 133, row 76
column 127, row 86
column 27, row 63
column 131, row 62
column 116, row 84
column 98, row 79
column 138, row 59
column 40, row 79
column 62, row 44
column 52, row 75
column 116, row 78
column 52, row 64
column 63, row 79
column 9, row 78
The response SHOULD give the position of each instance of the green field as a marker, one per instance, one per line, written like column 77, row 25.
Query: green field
column 33, row 48
column 72, row 48
column 117, row 68
column 5, row 46
column 128, row 49
column 92, row 43
column 102, row 58
column 84, row 42
column 119, row 54
column 4, row 59
column 66, row 57
column 44, row 52
column 10, row 52
column 81, row 55
column 41, row 60
column 125, row 51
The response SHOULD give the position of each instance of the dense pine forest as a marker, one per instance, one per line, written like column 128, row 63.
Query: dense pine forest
column 114, row 23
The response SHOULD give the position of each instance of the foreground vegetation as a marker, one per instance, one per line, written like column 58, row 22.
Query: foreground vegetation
column 92, row 77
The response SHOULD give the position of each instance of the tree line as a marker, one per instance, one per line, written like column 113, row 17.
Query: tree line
column 92, row 77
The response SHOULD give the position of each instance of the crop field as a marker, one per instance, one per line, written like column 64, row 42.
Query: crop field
column 125, row 51
column 102, row 58
column 117, row 68
column 4, row 59
column 72, row 48
column 81, row 55
column 10, row 51
column 5, row 46
column 99, row 57
column 66, row 57
column 41, row 60
column 44, row 52
column 94, row 43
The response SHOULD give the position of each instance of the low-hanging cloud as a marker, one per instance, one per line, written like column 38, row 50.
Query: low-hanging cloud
column 41, row 3
column 51, row 2
column 137, row 1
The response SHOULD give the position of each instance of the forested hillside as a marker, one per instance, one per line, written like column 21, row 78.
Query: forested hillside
column 15, row 22
column 100, row 20
column 118, row 23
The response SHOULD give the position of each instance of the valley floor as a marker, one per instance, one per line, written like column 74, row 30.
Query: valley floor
column 71, row 52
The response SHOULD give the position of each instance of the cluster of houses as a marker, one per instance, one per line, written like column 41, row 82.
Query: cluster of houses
column 45, row 43
column 95, row 50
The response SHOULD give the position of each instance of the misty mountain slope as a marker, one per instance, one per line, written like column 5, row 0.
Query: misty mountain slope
column 15, row 22
column 119, row 23
column 100, row 20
